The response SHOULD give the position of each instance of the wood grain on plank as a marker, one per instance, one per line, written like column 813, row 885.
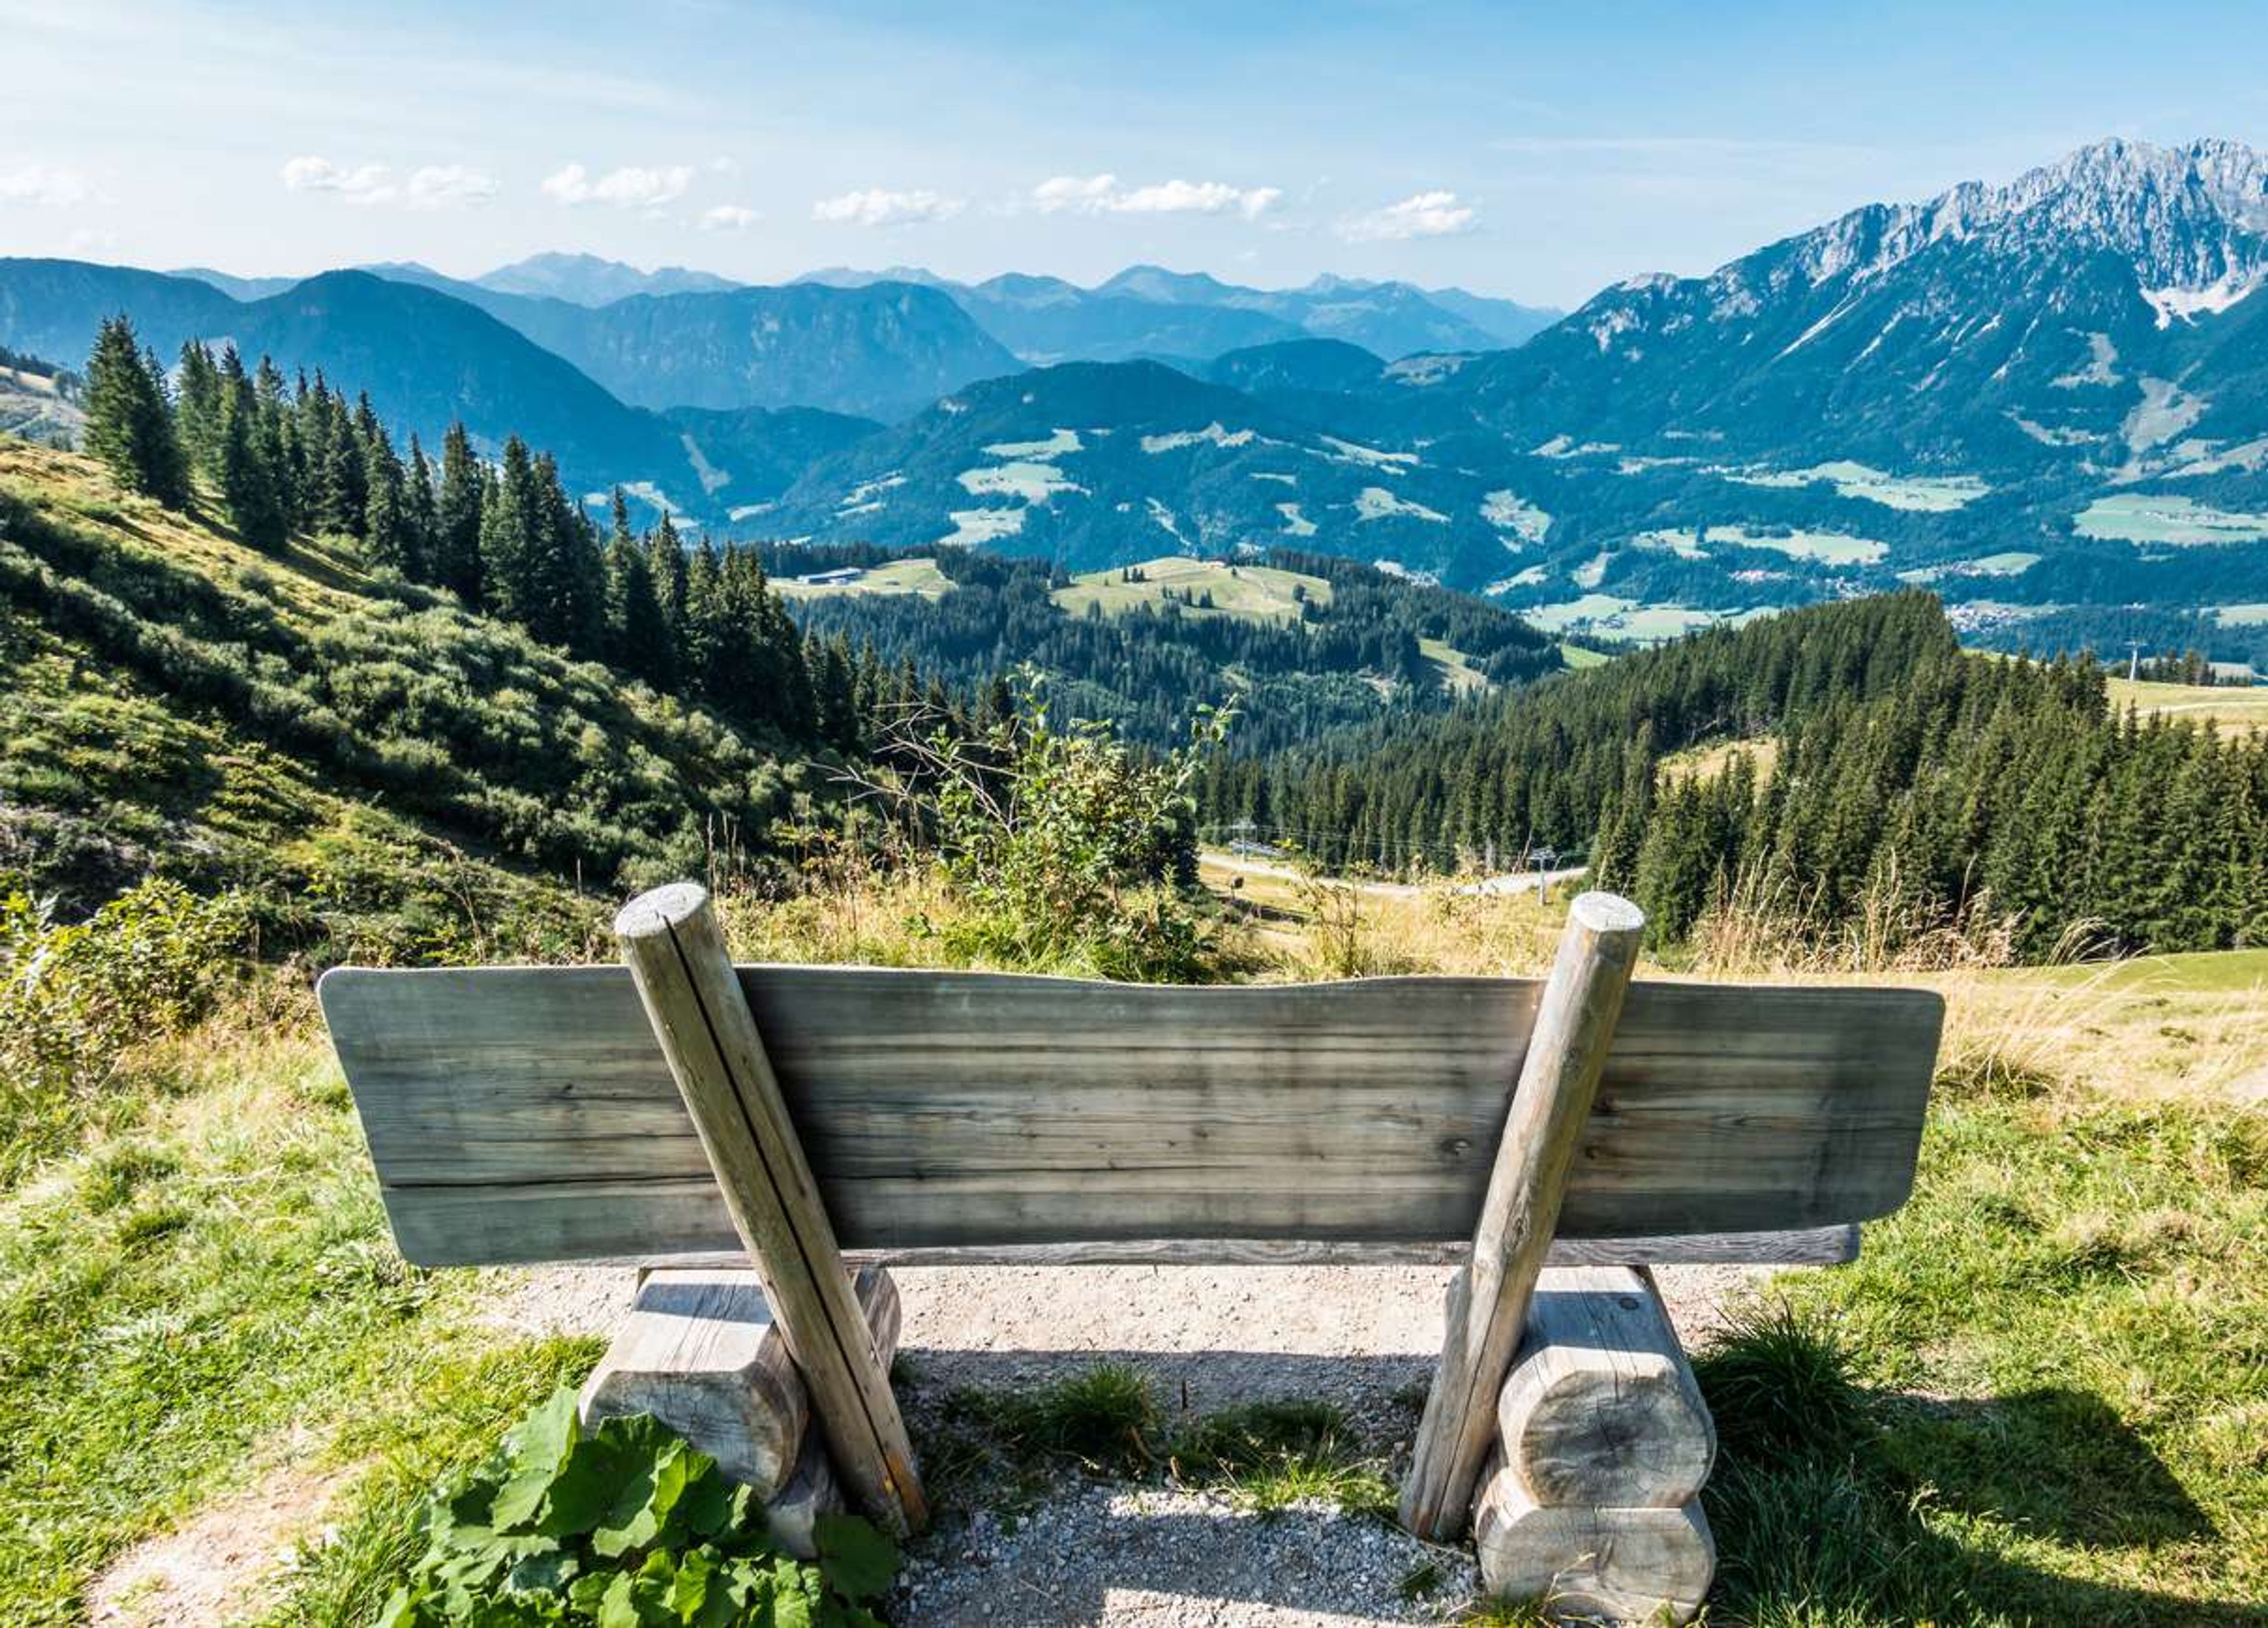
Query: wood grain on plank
column 525, row 1114
column 1818, row 1246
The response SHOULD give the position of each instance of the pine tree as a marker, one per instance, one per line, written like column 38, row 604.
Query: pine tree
column 129, row 425
column 510, row 511
column 421, row 513
column 247, row 479
column 636, row 633
column 201, row 402
column 456, row 559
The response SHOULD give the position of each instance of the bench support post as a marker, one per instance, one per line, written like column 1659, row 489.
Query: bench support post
column 692, row 995
column 1488, row 1301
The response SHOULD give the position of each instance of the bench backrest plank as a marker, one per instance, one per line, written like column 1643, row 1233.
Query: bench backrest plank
column 525, row 1114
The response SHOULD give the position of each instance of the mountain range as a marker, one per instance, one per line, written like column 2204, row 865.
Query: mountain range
column 2048, row 399
column 1149, row 313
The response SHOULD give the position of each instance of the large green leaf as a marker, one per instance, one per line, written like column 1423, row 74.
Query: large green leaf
column 857, row 1557
column 538, row 1446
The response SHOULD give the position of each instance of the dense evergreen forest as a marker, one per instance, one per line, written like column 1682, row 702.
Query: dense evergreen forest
column 698, row 622
column 1354, row 655
column 1903, row 772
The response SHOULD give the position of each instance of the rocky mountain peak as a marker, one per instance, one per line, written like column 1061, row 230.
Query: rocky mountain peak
column 2191, row 217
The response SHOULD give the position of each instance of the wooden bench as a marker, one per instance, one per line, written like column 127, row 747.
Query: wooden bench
column 817, row 1117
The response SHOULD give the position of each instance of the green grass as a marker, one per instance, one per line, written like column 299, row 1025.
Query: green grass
column 1252, row 592
column 1270, row 1456
column 1004, row 1448
column 897, row 576
column 2229, row 706
column 2039, row 1397
column 206, row 1296
column 2164, row 518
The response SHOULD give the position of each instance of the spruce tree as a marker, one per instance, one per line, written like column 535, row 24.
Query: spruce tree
column 247, row 478
column 510, row 511
column 456, row 559
column 422, row 513
column 199, row 404
column 129, row 423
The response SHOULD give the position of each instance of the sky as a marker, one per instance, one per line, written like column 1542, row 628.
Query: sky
column 1534, row 152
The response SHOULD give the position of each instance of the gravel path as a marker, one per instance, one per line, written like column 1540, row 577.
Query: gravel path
column 1114, row 1556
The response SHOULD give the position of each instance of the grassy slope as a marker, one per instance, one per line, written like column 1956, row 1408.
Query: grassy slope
column 1251, row 592
column 1255, row 592
column 2231, row 708
column 914, row 576
column 363, row 753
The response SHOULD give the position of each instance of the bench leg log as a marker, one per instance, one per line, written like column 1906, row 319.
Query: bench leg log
column 1559, row 1077
column 1601, row 1407
column 693, row 998
column 1584, row 1563
column 1590, row 1504
column 700, row 1352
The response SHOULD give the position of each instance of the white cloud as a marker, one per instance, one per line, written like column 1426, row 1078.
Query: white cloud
column 1104, row 194
column 876, row 206
column 36, row 183
column 449, row 185
column 729, row 218
column 1437, row 214
column 631, row 187
column 364, row 183
column 431, row 186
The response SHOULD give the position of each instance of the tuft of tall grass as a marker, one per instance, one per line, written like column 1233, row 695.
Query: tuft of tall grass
column 1270, row 1456
column 1779, row 1382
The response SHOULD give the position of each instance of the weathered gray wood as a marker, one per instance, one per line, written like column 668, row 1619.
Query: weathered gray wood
column 1630, row 1565
column 698, row 1014
column 1559, row 1077
column 1819, row 1246
column 700, row 1351
column 1601, row 1407
column 525, row 1114
column 792, row 1513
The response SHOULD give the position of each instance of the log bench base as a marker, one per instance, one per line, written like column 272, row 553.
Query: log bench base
column 1584, row 1563
column 700, row 1351
column 1590, row 1504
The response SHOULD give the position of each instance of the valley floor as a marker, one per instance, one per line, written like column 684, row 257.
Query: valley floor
column 221, row 1379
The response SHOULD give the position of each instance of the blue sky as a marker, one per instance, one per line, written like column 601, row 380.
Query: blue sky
column 1529, row 152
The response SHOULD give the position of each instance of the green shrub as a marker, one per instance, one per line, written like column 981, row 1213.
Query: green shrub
column 1780, row 1384
column 1072, row 851
column 624, row 1525
column 75, row 997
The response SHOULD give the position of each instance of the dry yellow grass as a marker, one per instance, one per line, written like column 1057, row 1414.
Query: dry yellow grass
column 2231, row 708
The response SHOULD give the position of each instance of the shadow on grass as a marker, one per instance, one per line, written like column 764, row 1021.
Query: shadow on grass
column 1835, row 1505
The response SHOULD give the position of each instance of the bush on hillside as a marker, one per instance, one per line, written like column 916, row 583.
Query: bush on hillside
column 76, row 997
column 1069, row 851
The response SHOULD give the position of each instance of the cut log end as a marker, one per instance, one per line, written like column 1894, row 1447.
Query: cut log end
column 659, row 909
column 1601, row 1407
column 701, row 1353
column 1581, row 1563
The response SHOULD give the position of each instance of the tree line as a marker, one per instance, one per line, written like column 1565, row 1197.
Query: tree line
column 297, row 457
column 1902, row 769
column 1353, row 655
